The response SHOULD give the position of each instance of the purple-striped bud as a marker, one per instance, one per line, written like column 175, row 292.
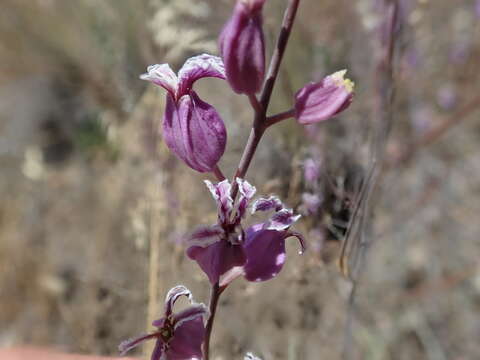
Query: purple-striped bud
column 322, row 100
column 192, row 129
column 242, row 47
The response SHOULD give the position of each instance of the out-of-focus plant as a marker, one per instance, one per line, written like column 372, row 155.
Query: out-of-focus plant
column 195, row 133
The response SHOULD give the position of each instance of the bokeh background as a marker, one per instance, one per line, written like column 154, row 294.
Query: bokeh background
column 94, row 210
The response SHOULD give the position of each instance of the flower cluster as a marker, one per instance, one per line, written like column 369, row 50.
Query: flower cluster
column 226, row 249
column 195, row 132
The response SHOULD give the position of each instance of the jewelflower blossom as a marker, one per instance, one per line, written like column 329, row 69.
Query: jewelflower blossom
column 242, row 47
column 322, row 100
column 179, row 336
column 192, row 129
column 227, row 250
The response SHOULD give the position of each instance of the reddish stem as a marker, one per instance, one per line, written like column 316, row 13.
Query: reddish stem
column 214, row 297
column 218, row 173
column 258, row 128
column 272, row 120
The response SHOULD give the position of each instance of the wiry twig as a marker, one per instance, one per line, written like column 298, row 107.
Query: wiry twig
column 258, row 128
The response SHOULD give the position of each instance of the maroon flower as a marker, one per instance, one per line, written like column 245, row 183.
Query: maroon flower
column 320, row 101
column 218, row 248
column 192, row 129
column 242, row 47
column 179, row 336
column 225, row 251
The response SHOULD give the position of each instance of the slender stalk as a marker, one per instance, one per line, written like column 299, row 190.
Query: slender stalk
column 258, row 128
column 214, row 296
column 218, row 173
column 272, row 120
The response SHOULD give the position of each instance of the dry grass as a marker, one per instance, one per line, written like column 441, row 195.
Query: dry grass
column 94, row 208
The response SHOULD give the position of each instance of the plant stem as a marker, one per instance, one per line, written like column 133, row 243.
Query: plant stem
column 218, row 173
column 288, row 20
column 258, row 128
column 214, row 296
column 272, row 120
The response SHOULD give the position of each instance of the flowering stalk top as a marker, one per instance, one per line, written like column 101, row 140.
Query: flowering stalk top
column 179, row 335
column 192, row 129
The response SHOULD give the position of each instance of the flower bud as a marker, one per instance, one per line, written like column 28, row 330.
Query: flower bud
column 192, row 129
column 322, row 100
column 242, row 47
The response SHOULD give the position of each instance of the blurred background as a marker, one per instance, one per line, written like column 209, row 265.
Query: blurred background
column 94, row 210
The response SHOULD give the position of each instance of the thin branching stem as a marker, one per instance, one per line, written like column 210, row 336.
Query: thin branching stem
column 214, row 297
column 258, row 128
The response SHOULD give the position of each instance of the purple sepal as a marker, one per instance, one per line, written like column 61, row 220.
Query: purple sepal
column 265, row 250
column 194, row 131
column 192, row 312
column 218, row 258
column 187, row 342
column 320, row 101
column 242, row 46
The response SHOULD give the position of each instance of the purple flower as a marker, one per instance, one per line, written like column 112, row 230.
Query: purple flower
column 192, row 129
column 180, row 335
column 265, row 245
column 242, row 47
column 225, row 251
column 322, row 100
column 218, row 248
